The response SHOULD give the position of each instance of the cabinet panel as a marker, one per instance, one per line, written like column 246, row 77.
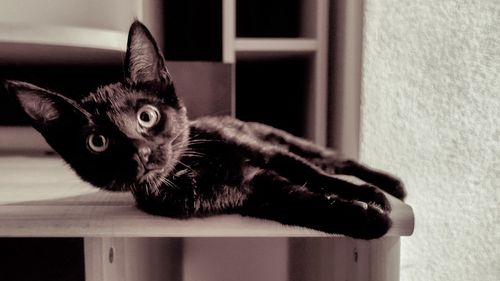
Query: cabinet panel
column 42, row 259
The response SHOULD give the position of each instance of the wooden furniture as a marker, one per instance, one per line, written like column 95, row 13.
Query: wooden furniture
column 304, row 36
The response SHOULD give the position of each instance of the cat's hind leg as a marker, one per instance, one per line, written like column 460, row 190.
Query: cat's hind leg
column 386, row 182
column 302, row 172
column 275, row 198
column 328, row 160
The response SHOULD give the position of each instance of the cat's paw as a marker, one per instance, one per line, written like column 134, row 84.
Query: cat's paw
column 396, row 188
column 383, row 180
column 390, row 184
column 356, row 219
column 376, row 224
column 371, row 223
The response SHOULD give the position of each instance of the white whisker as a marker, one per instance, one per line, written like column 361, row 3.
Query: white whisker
column 188, row 167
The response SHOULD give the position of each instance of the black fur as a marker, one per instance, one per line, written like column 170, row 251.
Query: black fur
column 212, row 165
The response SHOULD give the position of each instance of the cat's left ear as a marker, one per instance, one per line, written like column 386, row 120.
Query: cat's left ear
column 46, row 109
column 144, row 61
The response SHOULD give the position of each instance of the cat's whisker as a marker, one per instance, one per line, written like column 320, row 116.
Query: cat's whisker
column 154, row 186
column 133, row 188
column 190, row 149
column 191, row 142
column 188, row 167
column 149, row 188
column 165, row 181
column 169, row 183
column 189, row 152
column 194, row 154
column 195, row 141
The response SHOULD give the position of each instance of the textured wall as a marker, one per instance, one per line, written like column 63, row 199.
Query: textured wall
column 431, row 114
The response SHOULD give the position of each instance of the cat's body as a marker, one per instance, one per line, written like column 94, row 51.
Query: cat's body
column 136, row 136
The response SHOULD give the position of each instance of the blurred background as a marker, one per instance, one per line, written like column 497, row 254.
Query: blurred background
column 410, row 87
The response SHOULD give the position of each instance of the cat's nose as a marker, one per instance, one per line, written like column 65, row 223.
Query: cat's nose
column 144, row 153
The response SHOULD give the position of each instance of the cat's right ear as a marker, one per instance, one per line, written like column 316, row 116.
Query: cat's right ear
column 43, row 107
column 144, row 61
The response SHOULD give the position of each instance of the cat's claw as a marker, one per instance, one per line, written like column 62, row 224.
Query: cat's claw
column 377, row 198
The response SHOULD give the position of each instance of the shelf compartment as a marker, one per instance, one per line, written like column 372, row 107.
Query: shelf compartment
column 32, row 258
column 192, row 30
column 274, row 91
column 278, row 18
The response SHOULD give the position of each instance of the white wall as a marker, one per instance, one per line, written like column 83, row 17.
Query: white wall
column 431, row 114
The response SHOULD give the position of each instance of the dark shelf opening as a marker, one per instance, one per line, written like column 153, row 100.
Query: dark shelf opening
column 193, row 30
column 261, row 18
column 273, row 92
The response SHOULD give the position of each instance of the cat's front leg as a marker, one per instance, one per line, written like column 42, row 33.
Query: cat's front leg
column 274, row 197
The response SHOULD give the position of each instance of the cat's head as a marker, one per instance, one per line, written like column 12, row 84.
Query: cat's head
column 122, row 135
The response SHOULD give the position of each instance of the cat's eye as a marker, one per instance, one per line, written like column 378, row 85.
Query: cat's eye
column 97, row 143
column 148, row 116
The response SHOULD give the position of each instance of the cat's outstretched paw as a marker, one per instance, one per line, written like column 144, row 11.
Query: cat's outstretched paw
column 396, row 188
column 383, row 180
column 390, row 184
column 371, row 223
column 376, row 224
column 356, row 219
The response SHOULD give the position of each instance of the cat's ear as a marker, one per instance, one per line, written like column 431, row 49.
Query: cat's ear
column 43, row 107
column 143, row 60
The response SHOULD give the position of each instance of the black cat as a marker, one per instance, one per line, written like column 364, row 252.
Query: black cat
column 135, row 136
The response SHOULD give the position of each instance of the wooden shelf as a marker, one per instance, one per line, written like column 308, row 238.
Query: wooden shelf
column 41, row 196
column 60, row 44
column 259, row 48
column 301, row 32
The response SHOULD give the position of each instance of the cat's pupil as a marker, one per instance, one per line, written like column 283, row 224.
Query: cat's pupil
column 98, row 141
column 145, row 117
column 148, row 116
